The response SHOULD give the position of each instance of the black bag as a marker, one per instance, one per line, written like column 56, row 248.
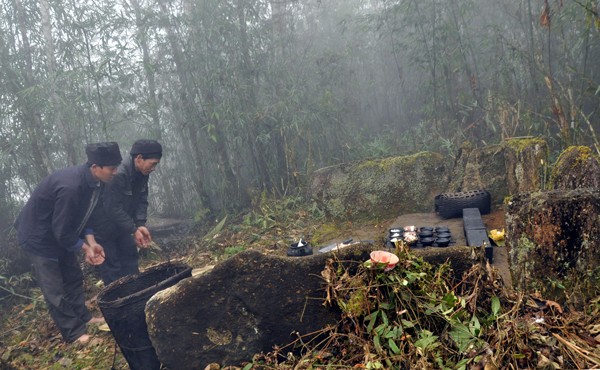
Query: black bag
column 450, row 205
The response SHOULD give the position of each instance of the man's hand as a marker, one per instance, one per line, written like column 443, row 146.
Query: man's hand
column 142, row 237
column 94, row 253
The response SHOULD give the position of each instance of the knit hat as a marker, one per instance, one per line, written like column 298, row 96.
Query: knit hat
column 147, row 148
column 103, row 154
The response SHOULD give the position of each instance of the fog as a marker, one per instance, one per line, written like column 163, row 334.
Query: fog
column 249, row 97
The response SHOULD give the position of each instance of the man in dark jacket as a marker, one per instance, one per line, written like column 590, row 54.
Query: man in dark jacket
column 51, row 228
column 121, row 225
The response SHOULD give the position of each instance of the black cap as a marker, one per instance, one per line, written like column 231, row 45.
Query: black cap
column 147, row 148
column 103, row 154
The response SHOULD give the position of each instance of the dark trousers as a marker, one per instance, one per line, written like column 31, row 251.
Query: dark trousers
column 121, row 257
column 61, row 281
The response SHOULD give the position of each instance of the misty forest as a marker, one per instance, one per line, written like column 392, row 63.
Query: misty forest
column 250, row 97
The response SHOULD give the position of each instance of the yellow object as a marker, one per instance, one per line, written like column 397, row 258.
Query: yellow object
column 497, row 235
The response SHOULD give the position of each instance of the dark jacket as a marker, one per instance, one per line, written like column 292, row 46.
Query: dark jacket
column 126, row 198
column 47, row 224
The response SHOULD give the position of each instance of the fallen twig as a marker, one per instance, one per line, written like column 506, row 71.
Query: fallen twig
column 577, row 349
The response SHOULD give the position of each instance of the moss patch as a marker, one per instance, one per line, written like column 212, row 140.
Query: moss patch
column 576, row 167
column 380, row 187
column 520, row 144
column 326, row 232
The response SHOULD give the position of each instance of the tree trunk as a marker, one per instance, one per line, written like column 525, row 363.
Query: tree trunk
column 471, row 71
column 531, row 59
column 31, row 118
column 142, row 30
column 67, row 136
column 249, row 102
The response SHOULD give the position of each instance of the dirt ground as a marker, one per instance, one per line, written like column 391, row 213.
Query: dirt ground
column 493, row 220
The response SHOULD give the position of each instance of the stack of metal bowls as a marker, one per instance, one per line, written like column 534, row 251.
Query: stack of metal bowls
column 395, row 234
column 442, row 236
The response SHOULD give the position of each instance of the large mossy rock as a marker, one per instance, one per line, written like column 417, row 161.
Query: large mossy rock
column 381, row 187
column 577, row 167
column 409, row 184
column 252, row 302
column 244, row 306
column 552, row 237
column 513, row 166
column 526, row 164
column 480, row 168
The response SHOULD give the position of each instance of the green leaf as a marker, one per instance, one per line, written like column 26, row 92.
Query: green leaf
column 407, row 324
column 427, row 340
column 381, row 329
column 450, row 299
column 462, row 336
column 384, row 318
column 377, row 343
column 395, row 333
column 385, row 305
column 393, row 346
column 475, row 326
column 248, row 367
column 462, row 364
column 495, row 305
column 215, row 229
column 372, row 319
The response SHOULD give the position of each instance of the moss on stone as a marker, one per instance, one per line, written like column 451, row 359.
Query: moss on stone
column 520, row 257
column 326, row 232
column 526, row 163
column 379, row 187
column 520, row 144
column 576, row 166
column 389, row 163
column 575, row 155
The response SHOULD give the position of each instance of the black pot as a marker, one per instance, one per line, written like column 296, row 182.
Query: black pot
column 427, row 241
column 442, row 229
column 426, row 228
column 442, row 242
column 298, row 251
column 443, row 235
column 426, row 234
column 396, row 230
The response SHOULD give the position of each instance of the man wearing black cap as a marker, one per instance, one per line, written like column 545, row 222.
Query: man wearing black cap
column 51, row 228
column 121, row 225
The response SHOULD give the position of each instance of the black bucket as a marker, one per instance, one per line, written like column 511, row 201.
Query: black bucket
column 123, row 302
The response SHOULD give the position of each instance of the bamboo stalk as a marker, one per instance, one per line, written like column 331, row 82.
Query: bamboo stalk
column 577, row 349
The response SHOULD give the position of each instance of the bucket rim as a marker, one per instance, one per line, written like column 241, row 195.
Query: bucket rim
column 141, row 294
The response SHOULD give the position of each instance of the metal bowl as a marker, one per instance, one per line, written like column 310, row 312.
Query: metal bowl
column 426, row 234
column 427, row 241
column 442, row 242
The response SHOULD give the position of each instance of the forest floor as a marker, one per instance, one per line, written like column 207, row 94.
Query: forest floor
column 30, row 340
